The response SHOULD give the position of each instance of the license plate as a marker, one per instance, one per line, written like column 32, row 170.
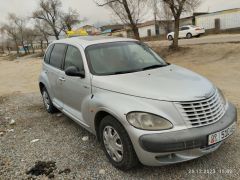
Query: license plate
column 221, row 135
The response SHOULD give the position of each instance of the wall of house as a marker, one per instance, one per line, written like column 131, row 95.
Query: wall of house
column 228, row 20
column 143, row 31
column 186, row 21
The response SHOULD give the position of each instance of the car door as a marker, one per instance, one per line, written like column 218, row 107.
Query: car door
column 75, row 90
column 184, row 31
column 181, row 32
column 55, row 73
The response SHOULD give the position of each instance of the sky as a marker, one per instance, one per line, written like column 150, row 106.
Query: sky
column 94, row 14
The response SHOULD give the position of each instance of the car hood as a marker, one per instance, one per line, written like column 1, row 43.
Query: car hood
column 169, row 83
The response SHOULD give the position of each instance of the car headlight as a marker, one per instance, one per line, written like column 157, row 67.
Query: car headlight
column 148, row 121
column 222, row 96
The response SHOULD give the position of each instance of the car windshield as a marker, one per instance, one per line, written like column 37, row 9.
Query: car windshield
column 122, row 57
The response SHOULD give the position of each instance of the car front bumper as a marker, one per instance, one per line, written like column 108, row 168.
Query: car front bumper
column 183, row 145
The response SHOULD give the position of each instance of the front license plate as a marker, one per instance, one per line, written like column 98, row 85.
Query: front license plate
column 221, row 135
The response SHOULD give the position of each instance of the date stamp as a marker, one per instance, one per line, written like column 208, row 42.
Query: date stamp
column 210, row 171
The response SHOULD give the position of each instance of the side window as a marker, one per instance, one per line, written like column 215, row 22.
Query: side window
column 57, row 55
column 48, row 53
column 184, row 28
column 73, row 58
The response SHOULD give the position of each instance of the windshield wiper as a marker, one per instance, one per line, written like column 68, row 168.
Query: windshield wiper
column 125, row 72
column 154, row 66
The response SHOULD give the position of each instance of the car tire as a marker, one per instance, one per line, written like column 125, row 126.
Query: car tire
column 117, row 144
column 189, row 36
column 170, row 37
column 48, row 102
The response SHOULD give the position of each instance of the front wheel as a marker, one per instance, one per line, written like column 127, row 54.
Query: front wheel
column 117, row 144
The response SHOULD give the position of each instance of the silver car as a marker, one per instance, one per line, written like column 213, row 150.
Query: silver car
column 141, row 108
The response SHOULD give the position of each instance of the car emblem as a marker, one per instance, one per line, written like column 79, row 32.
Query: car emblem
column 205, row 96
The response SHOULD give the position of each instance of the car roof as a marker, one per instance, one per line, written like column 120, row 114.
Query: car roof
column 86, row 41
column 189, row 26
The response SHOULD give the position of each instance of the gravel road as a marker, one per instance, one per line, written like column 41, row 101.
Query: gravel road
column 60, row 141
column 61, row 149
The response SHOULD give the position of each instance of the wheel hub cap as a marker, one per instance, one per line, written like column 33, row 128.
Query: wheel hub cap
column 113, row 143
column 46, row 99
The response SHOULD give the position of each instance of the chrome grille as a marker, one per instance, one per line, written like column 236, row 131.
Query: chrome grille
column 203, row 112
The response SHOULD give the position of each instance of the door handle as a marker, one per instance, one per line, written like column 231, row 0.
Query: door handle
column 62, row 79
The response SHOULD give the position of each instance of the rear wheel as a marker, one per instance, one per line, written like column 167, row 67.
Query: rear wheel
column 117, row 144
column 189, row 35
column 47, row 101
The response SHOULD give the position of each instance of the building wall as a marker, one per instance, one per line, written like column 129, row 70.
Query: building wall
column 228, row 19
column 186, row 21
column 143, row 31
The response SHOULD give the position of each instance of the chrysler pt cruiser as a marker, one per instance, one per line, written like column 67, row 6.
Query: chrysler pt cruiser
column 141, row 108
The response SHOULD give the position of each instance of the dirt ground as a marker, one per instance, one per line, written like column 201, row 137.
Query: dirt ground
column 59, row 139
column 20, row 75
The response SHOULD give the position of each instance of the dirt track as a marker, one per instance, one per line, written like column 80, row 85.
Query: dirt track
column 209, row 39
column 60, row 139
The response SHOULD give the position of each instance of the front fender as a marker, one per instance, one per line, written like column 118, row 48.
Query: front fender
column 119, row 105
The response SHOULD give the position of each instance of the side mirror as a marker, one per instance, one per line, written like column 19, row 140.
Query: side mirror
column 73, row 71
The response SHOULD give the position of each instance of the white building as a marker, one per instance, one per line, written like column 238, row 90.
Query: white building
column 222, row 20
column 152, row 28
column 161, row 27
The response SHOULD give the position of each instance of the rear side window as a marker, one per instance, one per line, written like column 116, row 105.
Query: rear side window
column 73, row 58
column 48, row 53
column 184, row 28
column 57, row 55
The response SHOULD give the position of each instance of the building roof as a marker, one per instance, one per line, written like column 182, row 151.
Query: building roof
column 86, row 41
column 221, row 12
column 152, row 22
column 112, row 27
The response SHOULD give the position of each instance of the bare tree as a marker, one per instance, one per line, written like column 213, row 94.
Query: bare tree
column 129, row 12
column 70, row 19
column 50, row 12
column 43, row 30
column 2, row 37
column 163, row 13
column 31, row 35
column 12, row 32
column 8, row 45
column 20, row 24
column 178, row 7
